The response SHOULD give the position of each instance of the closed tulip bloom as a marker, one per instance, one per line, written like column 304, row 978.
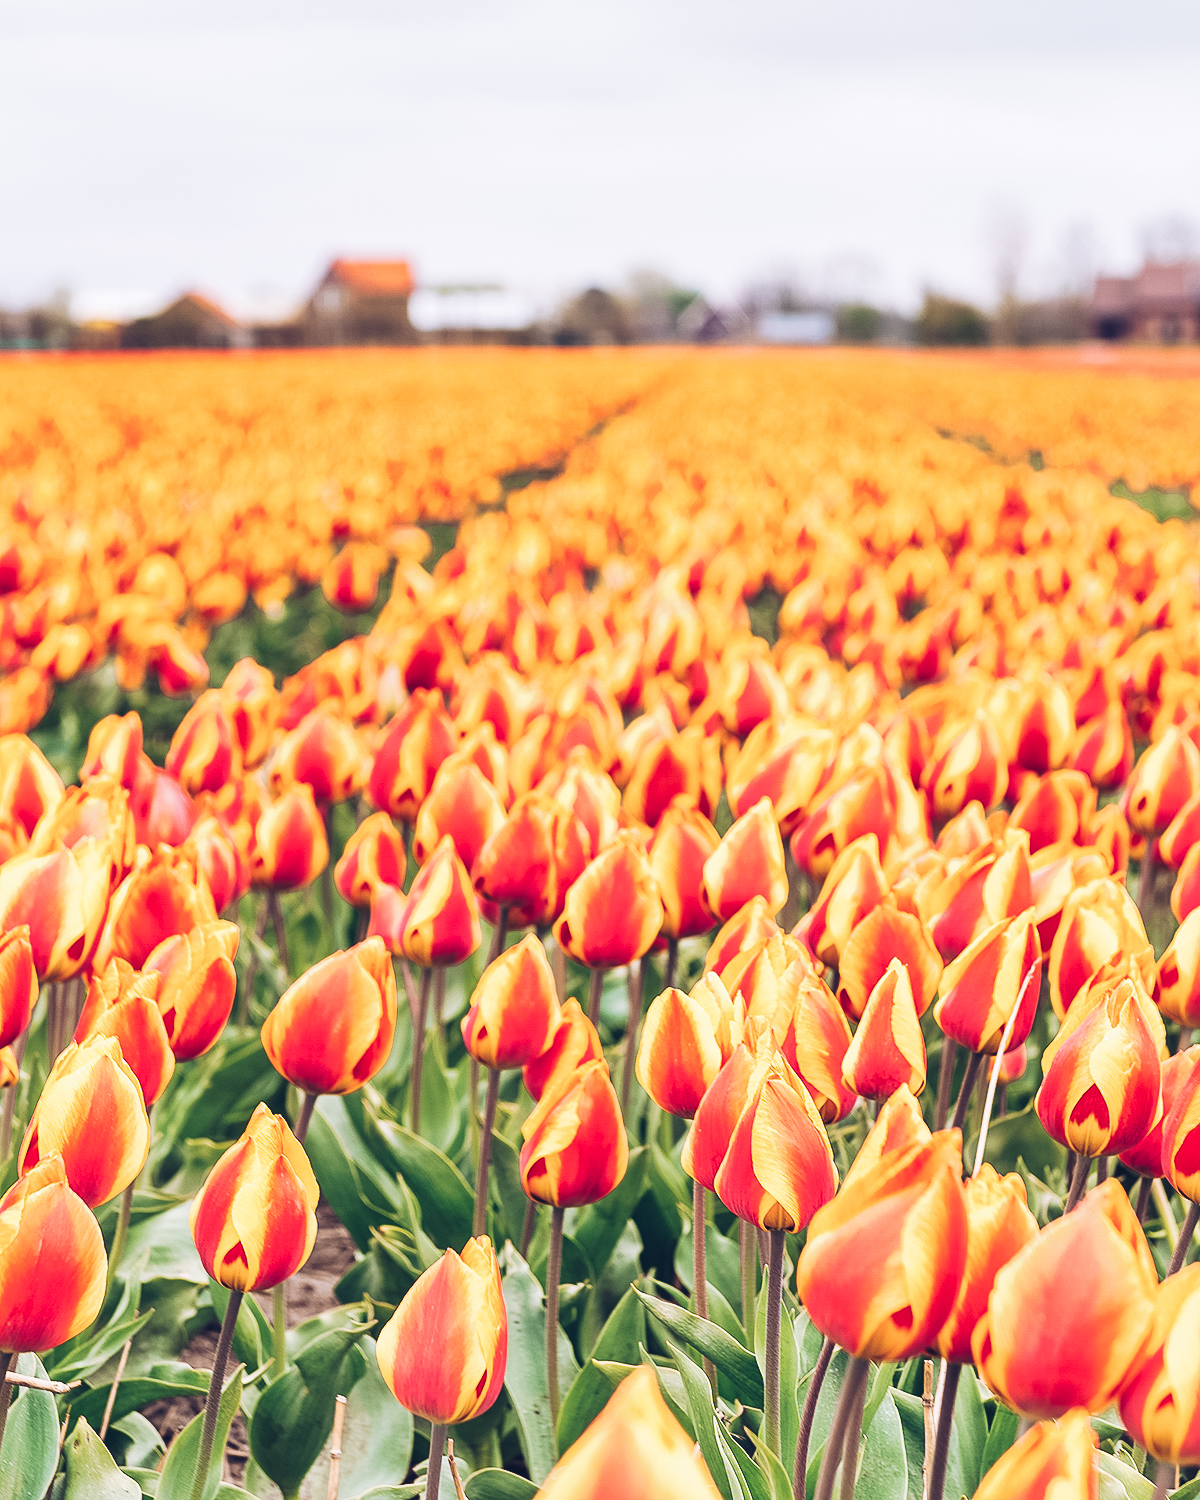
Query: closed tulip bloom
column 635, row 1449
column 463, row 803
column 254, row 1220
column 980, row 989
column 351, row 580
column 998, row 1225
column 1160, row 1405
column 332, row 1029
column 683, row 765
column 163, row 813
column 592, row 795
column 52, row 1261
column 881, row 1268
column 1053, row 1461
column 859, row 805
column 573, row 1042
column 815, row 1044
column 1071, row 1312
column 18, row 983
column 61, row 901
column 898, row 1125
column 1103, row 748
column 1179, row 974
column 1054, row 808
column 514, row 1010
column 516, row 866
column 325, row 753
column 721, row 1106
column 853, row 888
column 161, row 898
column 205, row 751
column 290, row 847
column 1181, row 1133
column 575, row 1150
column 441, row 919
column 92, row 819
column 1183, row 832
column 216, row 854
column 1013, row 1064
column 444, row 1351
column 747, row 863
column 747, row 929
column 418, row 740
column 114, row 748
column 254, row 705
column 1100, row 921
column 888, row 1049
column 197, row 985
column 783, row 759
column 967, row 764
column 779, row 1167
column 681, row 1050
column 92, row 1114
column 121, row 1002
column 681, row 844
column 888, row 933
column 1185, row 893
column 374, row 855
column 29, row 784
column 613, row 911
column 1167, row 774
column 1000, row 884
column 1102, row 1087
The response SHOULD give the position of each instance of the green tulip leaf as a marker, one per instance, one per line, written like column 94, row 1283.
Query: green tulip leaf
column 359, row 1189
column 713, row 1342
column 446, row 1202
column 1001, row 1436
column 597, row 1228
column 377, row 1437
column 1119, row 1481
column 699, row 1399
column 133, row 1394
column 180, row 1468
column 525, row 1377
column 29, row 1456
column 588, row 1396
column 499, row 1484
column 91, row 1472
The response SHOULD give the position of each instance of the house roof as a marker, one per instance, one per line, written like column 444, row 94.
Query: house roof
column 1156, row 285
column 205, row 304
column 373, row 278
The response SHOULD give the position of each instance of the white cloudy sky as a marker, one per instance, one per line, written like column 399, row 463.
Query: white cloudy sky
column 866, row 147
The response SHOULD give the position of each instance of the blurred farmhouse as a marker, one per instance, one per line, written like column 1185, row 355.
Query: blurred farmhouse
column 1159, row 305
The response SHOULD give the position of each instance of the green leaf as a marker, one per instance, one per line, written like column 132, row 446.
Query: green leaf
column 446, row 1201
column 253, row 1336
column 499, row 1484
column 294, row 1415
column 1188, row 1491
column 146, row 1479
column 133, row 1394
column 1001, row 1436
column 1021, row 1136
column 377, row 1437
column 970, row 1431
column 506, row 1181
column 882, row 1472
column 525, row 1377
column 755, row 1485
column 588, row 1396
column 778, row 1478
column 724, row 1351
column 180, row 1468
column 698, row 1395
column 357, row 1187
column 163, row 1247
column 1119, row 1481
column 91, row 1473
column 29, row 1456
column 597, row 1228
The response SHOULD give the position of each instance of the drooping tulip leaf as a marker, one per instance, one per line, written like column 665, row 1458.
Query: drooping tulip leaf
column 588, row 1396
column 91, row 1472
column 377, row 1437
column 499, row 1484
column 525, row 1377
column 446, row 1202
column 29, row 1456
column 713, row 1342
column 184, row 1454
column 700, row 1408
column 160, row 1384
column 723, row 1267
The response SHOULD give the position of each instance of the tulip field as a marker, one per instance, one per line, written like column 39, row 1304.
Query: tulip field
column 673, row 876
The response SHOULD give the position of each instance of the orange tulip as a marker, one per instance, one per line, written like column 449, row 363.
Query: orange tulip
column 1102, row 1085
column 746, row 930
column 592, row 795
column 686, row 765
column 374, row 855
column 163, row 897
column 635, row 1449
column 91, row 1114
column 517, row 867
column 815, row 1044
column 863, row 803
column 778, row 1169
column 722, row 1103
column 783, row 759
column 1179, row 974
column 573, row 1042
column 323, row 752
column 1053, row 1461
column 514, row 1010
column 1103, row 748
column 439, row 923
column 967, row 764
column 898, row 1125
column 332, row 1029
column 766, row 978
column 998, row 1225
column 29, row 784
column 686, row 1039
column 994, row 882
column 678, row 849
column 613, row 912
column 463, row 803
column 205, row 751
column 351, row 581
column 748, row 862
column 114, row 748
column 52, row 1261
column 121, row 1003
column 290, row 847
column 18, row 983
column 885, row 934
column 214, row 850
column 1042, row 724
column 888, row 1049
column 254, row 706
column 981, row 987
column 1182, row 833
column 854, row 887
column 61, row 901
column 881, row 1268
column 1160, row 1405
column 197, row 985
column 1099, row 923
column 444, row 1351
column 418, row 740
column 1071, row 1312
column 163, row 813
column 1185, row 894
column 1165, row 777
column 253, row 1221
column 1181, row 1135
column 1054, row 808
column 575, row 1150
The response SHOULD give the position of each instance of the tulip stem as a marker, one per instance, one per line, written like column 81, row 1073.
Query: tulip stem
column 275, row 907
column 595, row 994
column 553, row 1267
column 636, row 979
column 1184, row 1241
column 672, row 963
column 527, row 1227
column 500, row 936
column 964, row 1093
column 485, row 1152
column 804, row 1436
column 6, row 1389
column 279, row 1328
column 748, row 1254
column 945, row 1080
column 216, row 1382
column 1143, row 1199
column 1079, row 1177
column 1164, row 1478
column 419, row 1047
column 304, row 1118
column 1145, row 896
column 771, row 1352
column 119, row 1236
column 849, row 1412
column 437, row 1443
column 1101, row 1169
column 941, row 1447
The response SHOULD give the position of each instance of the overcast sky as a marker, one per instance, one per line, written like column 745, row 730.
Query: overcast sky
column 864, row 147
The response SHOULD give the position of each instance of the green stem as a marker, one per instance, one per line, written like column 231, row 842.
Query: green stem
column 771, row 1352
column 964, row 1094
column 636, row 976
column 1145, row 895
column 485, row 1152
column 941, row 1446
column 275, row 907
column 1143, row 1199
column 500, row 937
column 119, row 1237
column 595, row 994
column 553, row 1268
column 279, row 1327
column 1183, row 1243
column 804, row 1436
column 6, row 1359
column 1079, row 1177
column 854, row 1385
column 437, row 1442
column 748, row 1255
column 945, row 1080
column 215, row 1383
column 419, row 1048
column 247, row 985
column 304, row 1118
column 672, row 963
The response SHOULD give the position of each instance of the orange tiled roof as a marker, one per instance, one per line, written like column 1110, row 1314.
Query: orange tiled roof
column 373, row 278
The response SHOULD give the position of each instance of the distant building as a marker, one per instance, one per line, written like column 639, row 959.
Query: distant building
column 701, row 323
column 360, row 302
column 471, row 315
column 594, row 317
column 192, row 321
column 814, row 326
column 1160, row 305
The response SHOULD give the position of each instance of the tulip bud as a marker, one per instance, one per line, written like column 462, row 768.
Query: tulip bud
column 898, row 1125
column 1102, row 1088
column 1071, row 1312
column 721, row 1106
column 162, row 897
column 859, row 805
column 815, row 1044
column 444, row 1351
column 1160, row 1405
column 374, row 855
column 684, row 765
column 514, row 1011
column 205, row 751
column 418, row 740
column 888, row 933
column 1099, row 923
column 92, row 1114
column 1181, row 1134
column 783, row 759
column 122, row 1003
column 881, row 1268
column 888, row 1049
column 778, row 1169
column 61, row 901
column 1167, row 774
column 463, row 804
column 253, row 1221
column 216, row 855
column 197, row 985
column 681, row 844
column 854, row 887
column 1054, row 808
column 1185, row 893
column 163, row 813
column 441, row 919
column 1043, row 724
column 323, row 752
column 18, row 983
column 1103, row 748
column 1146, row 1157
column 998, row 1225
column 613, row 911
column 592, row 795
column 967, row 764
column 332, row 1029
column 980, row 989
column 1179, row 974
column 575, row 1150
column 114, row 749
column 290, row 847
column 1183, row 832
column 748, row 862
column 573, row 1042
column 747, row 929
column 254, row 707
column 53, row 1267
column 1053, row 1461
column 351, row 580
column 681, row 1050
column 29, row 784
column 995, row 882
column 517, row 867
